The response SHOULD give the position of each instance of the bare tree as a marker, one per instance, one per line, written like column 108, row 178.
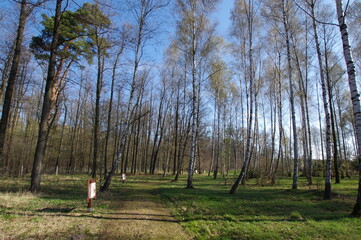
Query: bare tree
column 355, row 96
column 194, row 24
column 143, row 11
column 248, row 9
column 26, row 9
column 50, row 81
column 327, row 194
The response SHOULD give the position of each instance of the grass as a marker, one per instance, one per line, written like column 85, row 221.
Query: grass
column 127, row 211
column 58, row 212
column 263, row 212
column 206, row 212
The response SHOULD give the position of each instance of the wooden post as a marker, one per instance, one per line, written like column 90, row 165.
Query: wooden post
column 91, row 193
column 123, row 177
column 90, row 205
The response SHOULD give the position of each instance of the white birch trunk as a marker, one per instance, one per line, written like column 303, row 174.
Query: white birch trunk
column 355, row 96
column 248, row 154
column 194, row 100
column 327, row 194
column 293, row 115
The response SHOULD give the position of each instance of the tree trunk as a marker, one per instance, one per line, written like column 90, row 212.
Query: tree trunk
column 280, row 119
column 218, row 149
column 194, row 99
column 213, row 154
column 110, row 112
column 327, row 194
column 355, row 96
column 56, row 168
column 303, row 100
column 305, row 90
column 6, row 70
column 345, row 159
column 147, row 144
column 247, row 156
column 320, row 128
column 129, row 114
column 157, row 134
column 43, row 126
column 167, row 157
column 73, row 139
column 5, row 116
column 97, row 114
column 293, row 115
column 332, row 116
column 176, row 124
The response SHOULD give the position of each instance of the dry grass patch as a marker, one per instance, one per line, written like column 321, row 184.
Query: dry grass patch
column 128, row 211
column 11, row 200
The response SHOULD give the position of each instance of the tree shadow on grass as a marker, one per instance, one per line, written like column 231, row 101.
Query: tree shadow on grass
column 209, row 199
column 119, row 216
column 251, row 203
column 71, row 194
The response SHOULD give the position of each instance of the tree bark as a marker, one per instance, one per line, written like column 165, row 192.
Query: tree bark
column 176, row 126
column 218, row 148
column 56, row 168
column 280, row 119
column 6, row 70
column 97, row 114
column 293, row 115
column 194, row 99
column 43, row 126
column 303, row 116
column 247, row 156
column 327, row 194
column 109, row 118
column 305, row 90
column 355, row 96
column 12, row 76
column 332, row 117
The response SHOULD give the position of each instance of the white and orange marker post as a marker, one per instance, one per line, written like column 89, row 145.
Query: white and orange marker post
column 123, row 177
column 91, row 193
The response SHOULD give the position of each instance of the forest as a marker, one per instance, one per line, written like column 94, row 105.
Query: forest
column 161, row 88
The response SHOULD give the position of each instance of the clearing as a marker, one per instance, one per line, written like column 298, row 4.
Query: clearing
column 132, row 210
column 152, row 207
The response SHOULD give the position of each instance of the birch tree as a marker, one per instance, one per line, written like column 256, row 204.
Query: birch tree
column 195, row 23
column 286, row 11
column 218, row 85
column 327, row 194
column 246, row 10
column 355, row 96
column 143, row 12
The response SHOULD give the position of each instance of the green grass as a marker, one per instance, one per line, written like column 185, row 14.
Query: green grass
column 58, row 212
column 206, row 212
column 268, row 212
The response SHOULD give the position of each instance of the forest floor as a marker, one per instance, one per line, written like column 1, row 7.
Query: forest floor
column 153, row 207
column 132, row 210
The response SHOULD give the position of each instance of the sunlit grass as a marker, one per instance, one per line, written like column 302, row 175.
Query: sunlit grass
column 263, row 212
column 256, row 211
column 59, row 211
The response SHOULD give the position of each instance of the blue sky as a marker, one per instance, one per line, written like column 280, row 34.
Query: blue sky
column 222, row 15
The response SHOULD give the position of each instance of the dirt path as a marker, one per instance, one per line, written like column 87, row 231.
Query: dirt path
column 132, row 210
column 141, row 215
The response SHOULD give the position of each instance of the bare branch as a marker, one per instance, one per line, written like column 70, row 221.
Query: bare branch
column 305, row 11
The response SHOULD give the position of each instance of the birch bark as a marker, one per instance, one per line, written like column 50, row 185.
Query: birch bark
column 327, row 194
column 355, row 96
